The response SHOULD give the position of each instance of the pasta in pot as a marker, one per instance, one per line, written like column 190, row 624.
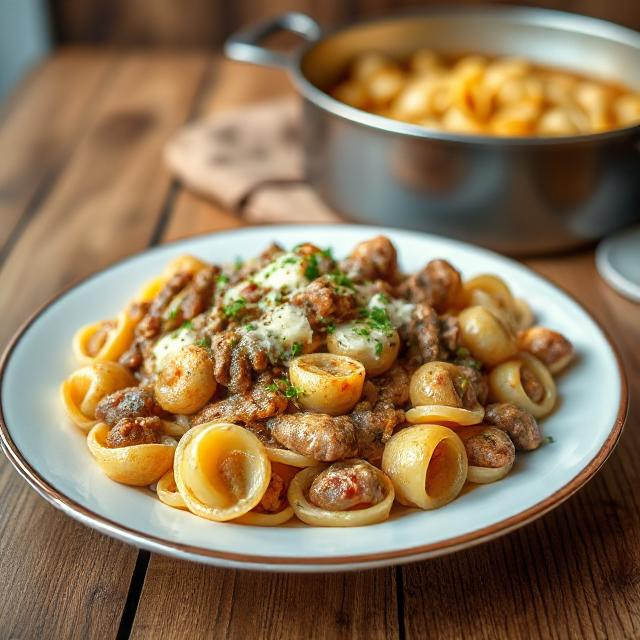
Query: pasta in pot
column 503, row 96
column 221, row 470
column 427, row 465
column 137, row 465
column 84, row 388
column 106, row 340
column 437, row 390
column 506, row 385
column 297, row 385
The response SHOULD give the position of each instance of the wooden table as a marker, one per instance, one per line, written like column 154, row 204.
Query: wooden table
column 81, row 185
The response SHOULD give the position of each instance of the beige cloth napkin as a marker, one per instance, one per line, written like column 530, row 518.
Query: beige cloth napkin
column 250, row 161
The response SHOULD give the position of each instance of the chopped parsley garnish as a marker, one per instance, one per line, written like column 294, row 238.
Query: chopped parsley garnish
column 285, row 388
column 232, row 309
column 379, row 348
column 173, row 314
column 327, row 253
column 187, row 325
column 290, row 260
column 312, row 271
column 238, row 263
column 378, row 319
column 222, row 279
column 251, row 326
column 331, row 326
column 342, row 280
column 204, row 342
column 548, row 440
column 365, row 332
column 296, row 349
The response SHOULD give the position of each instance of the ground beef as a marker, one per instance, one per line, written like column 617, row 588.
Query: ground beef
column 258, row 404
column 520, row 425
column 449, row 334
column 323, row 437
column 531, row 385
column 423, row 334
column 487, row 446
column 478, row 382
column 438, row 284
column 374, row 259
column 374, row 426
column 274, row 498
column 131, row 431
column 237, row 356
column 132, row 402
column 346, row 485
column 324, row 300
column 393, row 386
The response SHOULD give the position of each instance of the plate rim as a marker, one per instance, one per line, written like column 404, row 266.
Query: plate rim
column 250, row 561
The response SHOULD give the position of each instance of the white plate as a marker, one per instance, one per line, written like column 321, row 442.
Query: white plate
column 52, row 455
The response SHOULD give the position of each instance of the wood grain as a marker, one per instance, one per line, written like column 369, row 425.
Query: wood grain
column 206, row 23
column 38, row 138
column 59, row 579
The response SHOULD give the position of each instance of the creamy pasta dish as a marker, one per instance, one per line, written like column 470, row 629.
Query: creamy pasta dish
column 477, row 95
column 295, row 384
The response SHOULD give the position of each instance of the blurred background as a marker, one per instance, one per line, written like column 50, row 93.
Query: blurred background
column 30, row 28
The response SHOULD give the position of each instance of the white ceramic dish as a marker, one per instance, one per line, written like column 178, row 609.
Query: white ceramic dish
column 51, row 454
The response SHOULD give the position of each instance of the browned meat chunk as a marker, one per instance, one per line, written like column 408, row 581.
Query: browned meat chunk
column 551, row 347
column 198, row 294
column 438, row 284
column 531, row 385
column 393, row 386
column 449, row 333
column 274, row 498
column 424, row 334
column 258, row 404
column 318, row 435
column 520, row 425
column 236, row 357
column 130, row 431
column 374, row 259
column 263, row 433
column 132, row 402
column 487, row 446
column 346, row 485
column 323, row 299
column 478, row 381
column 374, row 426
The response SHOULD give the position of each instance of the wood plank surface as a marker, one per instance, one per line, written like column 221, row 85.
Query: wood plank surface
column 206, row 23
column 573, row 574
column 60, row 579
column 36, row 138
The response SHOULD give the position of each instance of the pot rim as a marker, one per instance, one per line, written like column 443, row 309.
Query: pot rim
column 550, row 18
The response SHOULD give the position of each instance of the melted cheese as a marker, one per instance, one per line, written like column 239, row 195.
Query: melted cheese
column 280, row 329
column 171, row 344
column 285, row 272
column 399, row 311
column 284, row 275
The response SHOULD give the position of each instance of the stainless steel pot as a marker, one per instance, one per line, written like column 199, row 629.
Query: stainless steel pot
column 516, row 195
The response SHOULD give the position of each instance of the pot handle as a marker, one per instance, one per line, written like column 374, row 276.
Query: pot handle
column 244, row 45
